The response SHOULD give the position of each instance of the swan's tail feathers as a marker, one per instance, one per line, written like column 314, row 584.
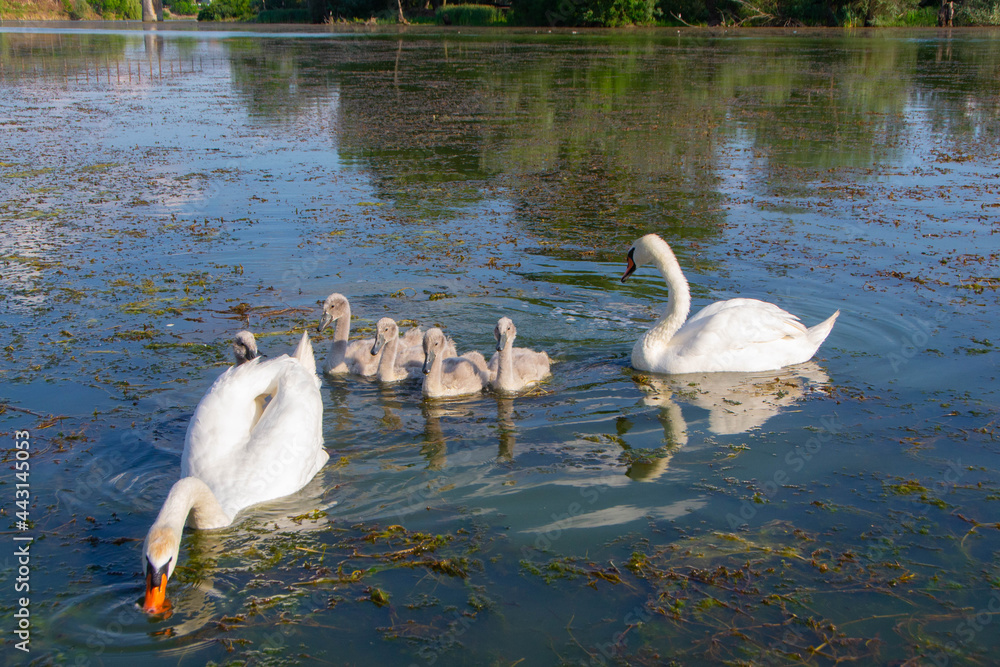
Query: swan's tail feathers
column 304, row 353
column 818, row 333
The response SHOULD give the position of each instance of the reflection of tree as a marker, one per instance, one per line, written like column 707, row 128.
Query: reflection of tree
column 410, row 112
column 596, row 140
column 603, row 141
column 278, row 79
column 48, row 54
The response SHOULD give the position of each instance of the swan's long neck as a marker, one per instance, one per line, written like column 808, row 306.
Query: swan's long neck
column 505, row 367
column 678, row 300
column 191, row 501
column 338, row 349
column 432, row 381
column 387, row 362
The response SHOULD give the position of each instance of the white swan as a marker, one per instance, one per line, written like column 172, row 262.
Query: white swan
column 244, row 347
column 514, row 369
column 236, row 455
column 345, row 357
column 736, row 335
column 400, row 358
column 451, row 376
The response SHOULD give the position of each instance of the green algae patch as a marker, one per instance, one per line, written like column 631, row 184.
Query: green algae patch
column 162, row 305
column 28, row 173
column 912, row 487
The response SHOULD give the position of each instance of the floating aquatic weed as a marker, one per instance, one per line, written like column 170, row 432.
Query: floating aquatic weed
column 378, row 596
column 910, row 487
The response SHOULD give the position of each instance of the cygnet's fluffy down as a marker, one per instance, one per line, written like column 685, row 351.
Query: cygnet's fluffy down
column 399, row 358
column 513, row 369
column 451, row 376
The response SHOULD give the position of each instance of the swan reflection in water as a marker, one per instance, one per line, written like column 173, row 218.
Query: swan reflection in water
column 506, row 429
column 736, row 403
column 435, row 445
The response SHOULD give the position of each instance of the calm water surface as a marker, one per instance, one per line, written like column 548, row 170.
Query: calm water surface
column 162, row 190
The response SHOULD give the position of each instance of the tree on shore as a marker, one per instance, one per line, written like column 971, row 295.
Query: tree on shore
column 152, row 10
column 613, row 13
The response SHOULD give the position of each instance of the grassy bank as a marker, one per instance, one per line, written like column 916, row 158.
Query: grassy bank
column 63, row 10
column 33, row 10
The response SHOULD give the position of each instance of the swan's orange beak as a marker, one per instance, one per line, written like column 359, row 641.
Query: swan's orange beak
column 630, row 268
column 156, row 591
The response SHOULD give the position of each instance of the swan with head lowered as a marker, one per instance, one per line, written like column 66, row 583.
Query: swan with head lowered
column 740, row 335
column 446, row 376
column 513, row 369
column 237, row 454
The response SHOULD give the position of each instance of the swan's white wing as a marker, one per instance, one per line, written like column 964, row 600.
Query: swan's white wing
column 285, row 449
column 735, row 324
column 748, row 305
column 304, row 353
column 278, row 455
column 220, row 425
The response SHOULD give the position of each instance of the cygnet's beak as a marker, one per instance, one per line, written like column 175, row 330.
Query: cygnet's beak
column 325, row 322
column 156, row 589
column 501, row 341
column 630, row 267
column 428, row 360
column 379, row 342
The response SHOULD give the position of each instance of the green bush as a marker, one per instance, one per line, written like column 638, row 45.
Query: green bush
column 614, row 13
column 227, row 10
column 121, row 9
column 321, row 10
column 606, row 13
column 479, row 15
column 285, row 15
column 877, row 13
column 182, row 7
column 77, row 10
column 693, row 12
column 977, row 12
column 926, row 16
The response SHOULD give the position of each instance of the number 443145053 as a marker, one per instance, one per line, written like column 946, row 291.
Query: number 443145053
column 22, row 445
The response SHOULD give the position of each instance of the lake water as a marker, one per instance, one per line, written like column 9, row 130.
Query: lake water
column 162, row 190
